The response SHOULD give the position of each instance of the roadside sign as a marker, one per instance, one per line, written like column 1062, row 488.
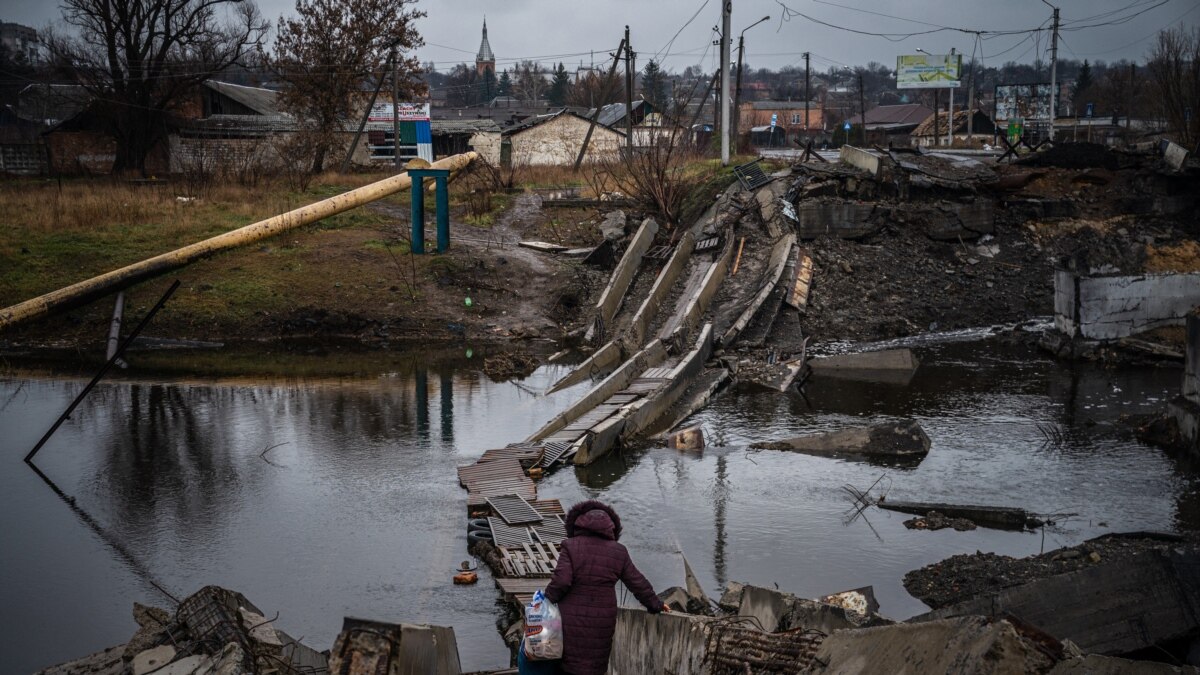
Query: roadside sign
column 774, row 119
column 928, row 71
column 846, row 126
column 1091, row 109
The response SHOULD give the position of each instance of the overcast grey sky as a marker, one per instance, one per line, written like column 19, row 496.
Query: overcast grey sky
column 568, row 30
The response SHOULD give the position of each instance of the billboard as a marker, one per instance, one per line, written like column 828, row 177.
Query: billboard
column 928, row 71
column 409, row 112
column 1022, row 101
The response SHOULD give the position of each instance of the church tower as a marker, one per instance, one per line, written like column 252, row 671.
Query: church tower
column 485, row 59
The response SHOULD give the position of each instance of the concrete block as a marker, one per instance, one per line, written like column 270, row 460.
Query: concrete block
column 862, row 159
column 896, row 440
column 964, row 646
column 891, row 359
column 691, row 438
column 1095, row 607
column 841, row 219
column 1174, row 154
column 152, row 659
column 1094, row 664
column 1191, row 360
column 659, row 643
column 1113, row 307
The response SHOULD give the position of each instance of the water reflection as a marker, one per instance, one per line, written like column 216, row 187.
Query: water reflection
column 355, row 510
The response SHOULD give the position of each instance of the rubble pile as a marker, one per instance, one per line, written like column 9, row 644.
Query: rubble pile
column 962, row 577
column 215, row 631
column 926, row 242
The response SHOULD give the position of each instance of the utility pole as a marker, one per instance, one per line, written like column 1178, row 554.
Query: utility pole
column 628, row 94
column 607, row 84
column 395, row 110
column 737, row 94
column 1129, row 103
column 937, row 110
column 862, row 110
column 971, row 102
column 950, row 111
column 1053, row 68
column 807, row 98
column 366, row 114
column 726, row 94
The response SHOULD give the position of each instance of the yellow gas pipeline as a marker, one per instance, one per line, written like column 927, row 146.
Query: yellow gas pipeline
column 97, row 287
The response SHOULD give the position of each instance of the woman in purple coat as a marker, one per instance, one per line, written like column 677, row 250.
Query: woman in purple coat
column 584, row 586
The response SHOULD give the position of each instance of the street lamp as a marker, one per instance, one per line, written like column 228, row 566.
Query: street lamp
column 737, row 95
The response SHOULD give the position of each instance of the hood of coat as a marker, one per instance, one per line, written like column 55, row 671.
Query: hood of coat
column 593, row 518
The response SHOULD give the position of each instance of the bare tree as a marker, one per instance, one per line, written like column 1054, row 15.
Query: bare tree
column 594, row 89
column 1175, row 70
column 141, row 58
column 531, row 83
column 327, row 53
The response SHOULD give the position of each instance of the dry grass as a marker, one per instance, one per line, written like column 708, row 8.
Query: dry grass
column 1182, row 257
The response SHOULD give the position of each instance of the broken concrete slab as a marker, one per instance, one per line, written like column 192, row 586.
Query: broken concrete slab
column 614, row 293
column 963, row 646
column 1115, row 306
column 778, row 260
column 835, row 218
column 999, row 517
column 1094, row 664
column 613, row 225
column 658, row 643
column 368, row 647
column 691, row 438
column 892, row 366
column 896, row 440
column 1096, row 606
column 776, row 610
column 152, row 660
column 1174, row 154
column 861, row 159
column 542, row 246
column 797, row 296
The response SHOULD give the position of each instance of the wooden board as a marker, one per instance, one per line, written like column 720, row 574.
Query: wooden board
column 529, row 560
column 798, row 297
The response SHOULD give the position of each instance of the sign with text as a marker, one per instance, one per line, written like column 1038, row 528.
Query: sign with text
column 928, row 71
column 409, row 112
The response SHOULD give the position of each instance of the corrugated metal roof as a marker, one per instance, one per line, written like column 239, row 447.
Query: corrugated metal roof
column 907, row 113
column 261, row 101
column 925, row 128
column 464, row 126
column 783, row 105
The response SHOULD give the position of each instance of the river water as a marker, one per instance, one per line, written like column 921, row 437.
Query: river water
column 354, row 510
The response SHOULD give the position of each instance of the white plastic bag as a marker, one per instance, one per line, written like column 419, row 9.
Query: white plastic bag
column 543, row 629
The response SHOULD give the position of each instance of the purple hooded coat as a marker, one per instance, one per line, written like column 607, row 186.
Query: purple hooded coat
column 584, row 586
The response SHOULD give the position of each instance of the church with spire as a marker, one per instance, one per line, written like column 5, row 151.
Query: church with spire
column 485, row 59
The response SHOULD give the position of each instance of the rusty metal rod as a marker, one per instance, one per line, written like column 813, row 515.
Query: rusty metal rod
column 107, row 366
column 97, row 287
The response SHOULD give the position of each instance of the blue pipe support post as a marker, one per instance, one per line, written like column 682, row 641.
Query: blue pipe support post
column 440, row 177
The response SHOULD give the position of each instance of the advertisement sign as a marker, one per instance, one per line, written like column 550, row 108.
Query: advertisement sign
column 409, row 112
column 1028, row 101
column 928, row 71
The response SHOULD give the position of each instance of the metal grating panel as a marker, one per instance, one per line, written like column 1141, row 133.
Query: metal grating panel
column 751, row 175
column 549, row 507
column 552, row 531
column 514, row 510
column 507, row 535
column 554, row 451
column 707, row 244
